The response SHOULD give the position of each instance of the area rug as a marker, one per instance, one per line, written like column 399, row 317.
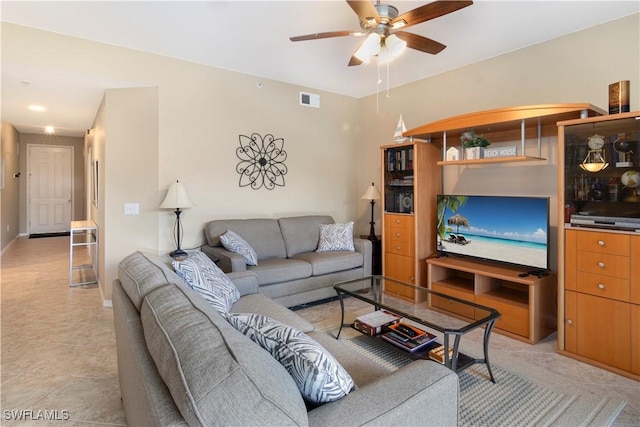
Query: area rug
column 512, row 401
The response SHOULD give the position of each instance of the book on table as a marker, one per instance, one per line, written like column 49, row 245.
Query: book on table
column 375, row 322
column 406, row 343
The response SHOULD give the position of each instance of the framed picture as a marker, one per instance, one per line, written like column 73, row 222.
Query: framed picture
column 94, row 187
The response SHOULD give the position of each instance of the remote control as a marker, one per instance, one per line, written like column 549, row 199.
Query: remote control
column 405, row 330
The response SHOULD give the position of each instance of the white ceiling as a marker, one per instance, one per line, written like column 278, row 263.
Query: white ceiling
column 252, row 37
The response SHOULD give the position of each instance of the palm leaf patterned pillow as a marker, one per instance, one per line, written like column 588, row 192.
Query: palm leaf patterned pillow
column 336, row 237
column 318, row 375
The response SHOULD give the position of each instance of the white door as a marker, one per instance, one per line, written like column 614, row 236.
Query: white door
column 50, row 188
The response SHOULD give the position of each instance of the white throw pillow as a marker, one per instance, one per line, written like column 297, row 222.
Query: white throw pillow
column 206, row 278
column 336, row 237
column 234, row 243
column 319, row 376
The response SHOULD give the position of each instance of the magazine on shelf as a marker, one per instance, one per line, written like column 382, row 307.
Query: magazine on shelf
column 407, row 343
column 375, row 322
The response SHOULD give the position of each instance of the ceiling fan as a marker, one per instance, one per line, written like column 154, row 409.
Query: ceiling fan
column 384, row 29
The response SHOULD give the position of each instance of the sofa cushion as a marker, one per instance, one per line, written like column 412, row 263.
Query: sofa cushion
column 316, row 372
column 204, row 277
column 301, row 233
column 336, row 237
column 215, row 374
column 331, row 262
column 261, row 304
column 281, row 270
column 263, row 235
column 140, row 274
column 234, row 243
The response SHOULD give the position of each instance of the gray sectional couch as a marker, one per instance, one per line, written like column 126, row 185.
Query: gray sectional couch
column 289, row 269
column 181, row 363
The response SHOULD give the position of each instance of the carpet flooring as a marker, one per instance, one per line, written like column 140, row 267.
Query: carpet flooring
column 512, row 400
column 539, row 364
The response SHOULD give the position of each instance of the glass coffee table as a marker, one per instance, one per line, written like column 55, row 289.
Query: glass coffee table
column 371, row 290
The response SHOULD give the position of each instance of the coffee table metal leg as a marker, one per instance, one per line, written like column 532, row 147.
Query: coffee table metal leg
column 487, row 334
column 341, row 314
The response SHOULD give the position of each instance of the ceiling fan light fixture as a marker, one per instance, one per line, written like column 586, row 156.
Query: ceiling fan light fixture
column 392, row 48
column 370, row 47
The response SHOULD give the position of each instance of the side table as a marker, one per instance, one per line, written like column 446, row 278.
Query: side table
column 376, row 255
column 83, row 237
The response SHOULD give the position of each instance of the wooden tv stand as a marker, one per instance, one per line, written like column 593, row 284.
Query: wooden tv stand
column 527, row 303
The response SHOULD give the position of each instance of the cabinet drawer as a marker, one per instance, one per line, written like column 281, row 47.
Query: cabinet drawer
column 453, row 306
column 604, row 243
column 608, row 265
column 400, row 248
column 400, row 235
column 514, row 318
column 400, row 221
column 604, row 286
column 402, row 291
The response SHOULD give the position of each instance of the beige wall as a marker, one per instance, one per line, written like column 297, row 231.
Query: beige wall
column 9, row 195
column 333, row 152
column 79, row 202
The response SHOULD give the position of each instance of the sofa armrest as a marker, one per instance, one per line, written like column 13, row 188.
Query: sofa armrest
column 227, row 261
column 423, row 392
column 245, row 281
column 365, row 247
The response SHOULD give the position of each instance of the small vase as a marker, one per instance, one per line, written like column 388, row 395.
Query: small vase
column 472, row 153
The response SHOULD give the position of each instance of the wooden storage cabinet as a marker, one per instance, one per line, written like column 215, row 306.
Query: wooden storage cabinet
column 411, row 180
column 602, row 306
column 526, row 304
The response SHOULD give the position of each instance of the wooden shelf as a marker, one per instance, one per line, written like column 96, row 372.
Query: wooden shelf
column 526, row 304
column 489, row 160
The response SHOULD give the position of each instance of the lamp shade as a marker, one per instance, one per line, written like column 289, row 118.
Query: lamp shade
column 392, row 48
column 177, row 197
column 372, row 193
column 370, row 47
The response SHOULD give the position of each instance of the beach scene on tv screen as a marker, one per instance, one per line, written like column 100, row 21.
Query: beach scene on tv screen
column 507, row 229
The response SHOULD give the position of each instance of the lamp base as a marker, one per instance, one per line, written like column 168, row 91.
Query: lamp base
column 179, row 254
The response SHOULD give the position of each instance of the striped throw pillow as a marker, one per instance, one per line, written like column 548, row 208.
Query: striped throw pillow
column 234, row 243
column 206, row 278
column 318, row 375
column 336, row 237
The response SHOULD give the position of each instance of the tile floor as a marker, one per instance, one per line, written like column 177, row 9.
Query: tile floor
column 58, row 347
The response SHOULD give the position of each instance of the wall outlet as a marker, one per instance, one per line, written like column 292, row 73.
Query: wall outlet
column 131, row 209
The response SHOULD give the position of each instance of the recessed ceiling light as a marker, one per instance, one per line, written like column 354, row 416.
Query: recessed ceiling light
column 49, row 130
column 36, row 108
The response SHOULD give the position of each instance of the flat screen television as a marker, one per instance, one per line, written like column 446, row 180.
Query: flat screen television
column 512, row 230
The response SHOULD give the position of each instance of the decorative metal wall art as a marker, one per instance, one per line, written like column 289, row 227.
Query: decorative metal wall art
column 261, row 161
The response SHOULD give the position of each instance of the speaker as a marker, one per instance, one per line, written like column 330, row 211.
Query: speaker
column 405, row 202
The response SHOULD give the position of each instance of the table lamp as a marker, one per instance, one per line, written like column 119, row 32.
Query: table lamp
column 372, row 194
column 177, row 198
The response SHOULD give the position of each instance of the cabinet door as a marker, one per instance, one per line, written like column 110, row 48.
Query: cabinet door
column 570, row 328
column 399, row 267
column 604, row 330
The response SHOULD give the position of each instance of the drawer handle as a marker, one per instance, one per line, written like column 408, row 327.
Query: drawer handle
column 412, row 279
column 601, row 242
column 397, row 234
column 569, row 322
column 397, row 221
column 601, row 264
column 600, row 286
column 397, row 248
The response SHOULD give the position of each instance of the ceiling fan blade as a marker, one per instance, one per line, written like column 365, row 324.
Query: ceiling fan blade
column 423, row 44
column 316, row 36
column 365, row 10
column 429, row 11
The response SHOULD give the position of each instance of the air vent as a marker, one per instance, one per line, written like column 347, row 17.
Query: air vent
column 310, row 99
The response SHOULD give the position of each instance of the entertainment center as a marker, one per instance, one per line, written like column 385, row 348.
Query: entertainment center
column 527, row 302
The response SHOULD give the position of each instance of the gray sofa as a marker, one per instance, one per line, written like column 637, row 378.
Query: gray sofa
column 181, row 363
column 289, row 269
